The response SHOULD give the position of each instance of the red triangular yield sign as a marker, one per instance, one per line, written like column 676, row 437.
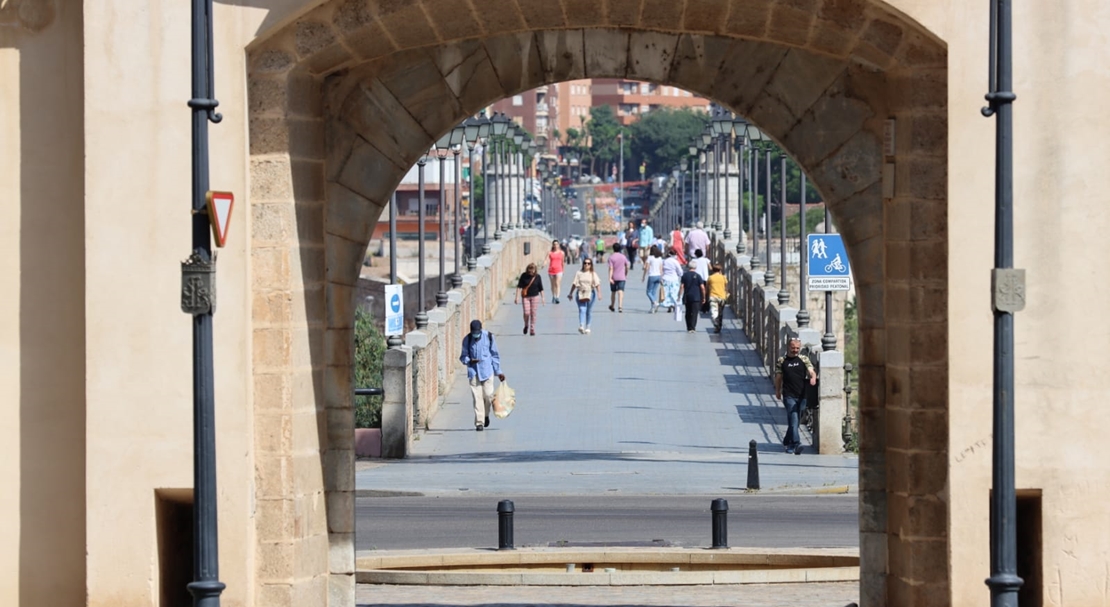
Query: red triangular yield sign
column 219, row 214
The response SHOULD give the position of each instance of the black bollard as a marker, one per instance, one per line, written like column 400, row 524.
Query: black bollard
column 753, row 467
column 719, row 508
column 505, row 525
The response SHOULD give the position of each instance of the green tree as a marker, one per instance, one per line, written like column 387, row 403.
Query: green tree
column 661, row 138
column 604, row 146
column 369, row 352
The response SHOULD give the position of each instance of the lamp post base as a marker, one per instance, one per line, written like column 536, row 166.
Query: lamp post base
column 486, row 248
column 803, row 318
column 784, row 297
column 496, row 236
column 728, row 234
column 769, row 277
column 456, row 280
column 441, row 299
column 716, row 226
column 394, row 341
column 756, row 263
column 828, row 341
column 471, row 265
column 421, row 320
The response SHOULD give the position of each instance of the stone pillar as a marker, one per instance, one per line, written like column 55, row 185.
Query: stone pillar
column 396, row 402
column 833, row 404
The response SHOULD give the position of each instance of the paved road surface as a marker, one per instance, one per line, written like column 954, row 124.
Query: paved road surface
column 405, row 523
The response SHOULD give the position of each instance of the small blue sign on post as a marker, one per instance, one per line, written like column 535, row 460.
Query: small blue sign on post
column 394, row 310
column 828, row 263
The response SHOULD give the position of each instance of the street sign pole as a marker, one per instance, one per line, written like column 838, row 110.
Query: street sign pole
column 198, row 298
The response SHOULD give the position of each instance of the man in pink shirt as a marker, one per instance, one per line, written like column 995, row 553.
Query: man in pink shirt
column 618, row 273
column 697, row 239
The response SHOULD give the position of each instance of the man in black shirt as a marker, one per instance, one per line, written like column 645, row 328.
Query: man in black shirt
column 791, row 372
column 692, row 292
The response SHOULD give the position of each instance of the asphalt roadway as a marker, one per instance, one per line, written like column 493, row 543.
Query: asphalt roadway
column 771, row 521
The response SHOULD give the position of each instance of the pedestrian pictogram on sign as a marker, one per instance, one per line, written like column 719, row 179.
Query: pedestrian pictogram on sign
column 828, row 263
column 219, row 214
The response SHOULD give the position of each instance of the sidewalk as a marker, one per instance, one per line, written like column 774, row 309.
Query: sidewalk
column 639, row 406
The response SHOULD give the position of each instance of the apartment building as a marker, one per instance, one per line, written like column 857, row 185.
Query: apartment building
column 632, row 98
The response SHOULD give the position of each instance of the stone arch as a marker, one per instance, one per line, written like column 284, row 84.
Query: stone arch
column 344, row 99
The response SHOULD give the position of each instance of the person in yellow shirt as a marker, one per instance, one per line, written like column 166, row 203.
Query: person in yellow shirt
column 718, row 293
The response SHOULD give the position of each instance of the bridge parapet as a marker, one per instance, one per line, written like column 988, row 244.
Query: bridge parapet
column 769, row 326
column 430, row 360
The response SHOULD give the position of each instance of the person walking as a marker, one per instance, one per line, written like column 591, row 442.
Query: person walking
column 678, row 244
column 653, row 274
column 586, row 289
column 599, row 245
column 529, row 289
column 697, row 239
column 556, row 260
column 632, row 238
column 618, row 274
column 717, row 286
column 692, row 292
column 791, row 373
column 483, row 362
column 647, row 238
column 672, row 273
column 701, row 266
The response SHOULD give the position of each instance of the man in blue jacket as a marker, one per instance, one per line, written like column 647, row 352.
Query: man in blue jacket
column 482, row 361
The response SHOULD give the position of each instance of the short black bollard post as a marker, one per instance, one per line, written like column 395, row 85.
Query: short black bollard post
column 505, row 525
column 753, row 467
column 719, row 508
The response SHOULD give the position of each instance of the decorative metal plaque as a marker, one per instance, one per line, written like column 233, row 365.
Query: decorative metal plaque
column 198, row 284
column 1008, row 289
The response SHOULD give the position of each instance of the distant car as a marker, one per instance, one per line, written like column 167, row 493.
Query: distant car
column 576, row 214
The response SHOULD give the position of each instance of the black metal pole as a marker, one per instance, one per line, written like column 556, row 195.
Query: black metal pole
column 741, row 240
column 456, row 278
column 726, row 143
column 753, row 466
column 486, row 159
column 784, row 295
column 421, row 214
column 694, row 191
column 441, row 295
column 716, row 184
column 498, row 175
column 755, row 261
column 206, row 586
column 828, row 340
column 471, row 261
column 769, row 275
column 803, row 256
column 1008, row 296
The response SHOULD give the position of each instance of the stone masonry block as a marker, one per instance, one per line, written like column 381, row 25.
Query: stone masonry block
column 408, row 26
column 661, row 14
column 549, row 15
column 424, row 93
column 929, row 303
column 341, row 310
column 268, row 135
column 803, row 77
column 311, row 558
column 908, row 429
column 453, row 19
column 370, row 106
column 708, row 16
column 856, row 166
column 275, row 595
column 623, row 12
column 266, row 95
column 832, row 120
column 919, row 51
column 919, row 560
column 847, row 15
column 561, row 55
column 929, row 343
column 918, row 517
column 272, row 309
column 922, row 178
column 307, row 475
column 583, row 13
column 698, row 61
column 368, row 172
column 273, row 476
column 825, row 37
column 311, row 591
column 340, row 425
column 904, row 592
column 370, row 41
column 271, row 224
column 606, row 53
column 883, row 35
column 749, row 19
column 516, row 60
column 474, row 81
column 341, row 511
column 772, row 116
column 271, row 348
column 339, row 476
column 873, row 512
column 929, row 220
column 339, row 137
column 919, row 89
column 271, row 393
column 341, row 590
column 308, row 180
column 650, row 55
column 271, row 179
column 790, row 25
column 500, row 16
column 350, row 215
column 351, row 15
column 275, row 561
column 744, row 73
column 917, row 472
column 273, row 433
column 341, row 552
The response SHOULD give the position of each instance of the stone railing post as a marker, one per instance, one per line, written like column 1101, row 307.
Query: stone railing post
column 397, row 402
column 833, row 406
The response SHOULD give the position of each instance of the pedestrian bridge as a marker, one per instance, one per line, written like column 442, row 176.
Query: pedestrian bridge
column 637, row 406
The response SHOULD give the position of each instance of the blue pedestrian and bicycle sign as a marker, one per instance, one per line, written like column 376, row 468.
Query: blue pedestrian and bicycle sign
column 394, row 310
column 828, row 263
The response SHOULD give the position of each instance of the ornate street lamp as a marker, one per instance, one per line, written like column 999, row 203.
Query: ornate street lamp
column 722, row 129
column 784, row 295
column 693, row 151
column 456, row 141
column 421, row 214
column 756, row 137
column 708, row 140
column 501, row 127
column 472, row 129
column 443, row 149
column 740, row 127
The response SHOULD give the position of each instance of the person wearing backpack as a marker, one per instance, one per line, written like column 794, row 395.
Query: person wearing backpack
column 483, row 362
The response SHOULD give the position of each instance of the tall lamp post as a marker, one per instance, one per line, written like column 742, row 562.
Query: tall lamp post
column 443, row 149
column 457, row 135
column 803, row 256
column 756, row 137
column 693, row 150
column 1007, row 298
column 828, row 340
column 198, row 291
column 769, row 274
column 393, row 341
column 499, row 126
column 722, row 128
column 475, row 129
column 421, row 214
column 784, row 294
column 514, row 198
column 706, row 143
column 740, row 127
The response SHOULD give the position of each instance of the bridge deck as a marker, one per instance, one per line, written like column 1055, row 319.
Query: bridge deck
column 639, row 406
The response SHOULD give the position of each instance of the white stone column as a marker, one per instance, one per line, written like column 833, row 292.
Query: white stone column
column 397, row 402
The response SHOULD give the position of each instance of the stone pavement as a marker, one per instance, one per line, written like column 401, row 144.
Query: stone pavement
column 748, row 595
column 639, row 406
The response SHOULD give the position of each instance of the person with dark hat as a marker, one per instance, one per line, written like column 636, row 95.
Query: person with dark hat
column 483, row 362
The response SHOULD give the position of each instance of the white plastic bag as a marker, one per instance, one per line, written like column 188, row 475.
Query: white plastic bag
column 504, row 400
column 678, row 313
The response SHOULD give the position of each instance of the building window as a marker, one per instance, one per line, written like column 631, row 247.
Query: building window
column 518, row 100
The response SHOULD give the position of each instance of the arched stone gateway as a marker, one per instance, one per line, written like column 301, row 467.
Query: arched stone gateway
column 345, row 98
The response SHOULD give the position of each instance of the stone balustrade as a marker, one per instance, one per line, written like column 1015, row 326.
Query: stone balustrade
column 417, row 376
